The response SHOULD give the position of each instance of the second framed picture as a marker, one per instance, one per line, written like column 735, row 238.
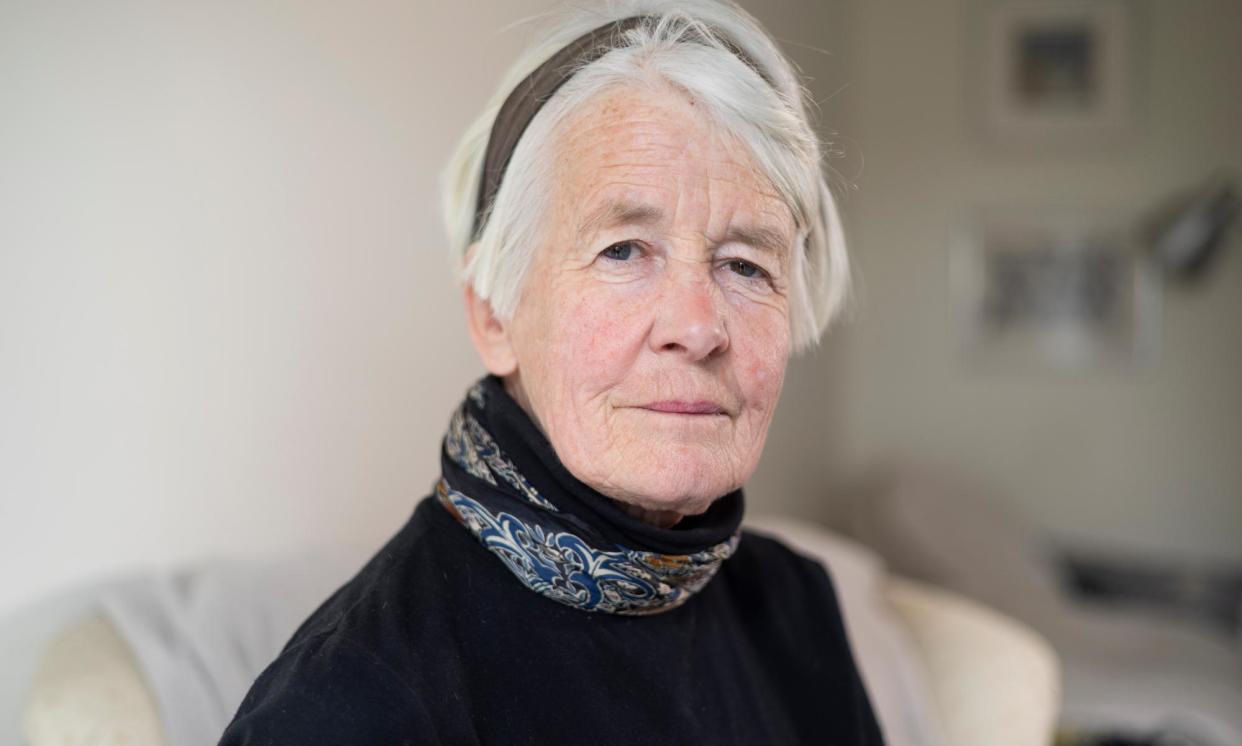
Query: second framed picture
column 1041, row 289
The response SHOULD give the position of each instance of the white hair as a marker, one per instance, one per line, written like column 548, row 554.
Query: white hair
column 685, row 43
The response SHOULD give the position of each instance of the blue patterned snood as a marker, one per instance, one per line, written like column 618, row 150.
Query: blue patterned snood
column 502, row 481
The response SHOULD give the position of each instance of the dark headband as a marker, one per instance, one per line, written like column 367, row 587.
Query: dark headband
column 529, row 96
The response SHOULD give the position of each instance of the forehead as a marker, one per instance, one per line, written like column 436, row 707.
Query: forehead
column 631, row 154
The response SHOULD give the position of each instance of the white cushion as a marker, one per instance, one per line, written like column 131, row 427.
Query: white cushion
column 89, row 692
column 994, row 680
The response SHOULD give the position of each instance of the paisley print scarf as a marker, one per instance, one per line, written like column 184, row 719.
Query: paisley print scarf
column 502, row 481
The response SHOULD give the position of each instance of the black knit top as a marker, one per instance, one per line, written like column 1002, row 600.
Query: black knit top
column 436, row 641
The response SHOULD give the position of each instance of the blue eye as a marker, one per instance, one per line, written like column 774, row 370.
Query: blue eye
column 745, row 269
column 619, row 251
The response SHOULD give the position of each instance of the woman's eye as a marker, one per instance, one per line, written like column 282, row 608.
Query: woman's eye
column 745, row 268
column 619, row 251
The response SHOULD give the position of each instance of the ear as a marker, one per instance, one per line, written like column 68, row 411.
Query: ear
column 489, row 334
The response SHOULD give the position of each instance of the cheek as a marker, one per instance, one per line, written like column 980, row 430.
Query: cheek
column 763, row 357
column 594, row 338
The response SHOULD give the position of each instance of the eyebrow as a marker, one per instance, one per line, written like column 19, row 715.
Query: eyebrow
column 616, row 214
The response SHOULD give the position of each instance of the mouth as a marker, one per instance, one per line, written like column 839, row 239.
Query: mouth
column 698, row 408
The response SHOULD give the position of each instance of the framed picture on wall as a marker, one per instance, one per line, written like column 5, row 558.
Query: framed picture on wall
column 1055, row 70
column 1052, row 289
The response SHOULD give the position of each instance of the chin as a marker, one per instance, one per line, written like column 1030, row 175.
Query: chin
column 686, row 483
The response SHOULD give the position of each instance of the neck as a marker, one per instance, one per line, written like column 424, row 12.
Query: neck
column 561, row 537
column 657, row 518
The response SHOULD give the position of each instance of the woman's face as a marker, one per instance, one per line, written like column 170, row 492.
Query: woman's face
column 652, row 332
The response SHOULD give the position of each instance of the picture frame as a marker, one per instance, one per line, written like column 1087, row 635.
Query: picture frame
column 1056, row 71
column 1052, row 289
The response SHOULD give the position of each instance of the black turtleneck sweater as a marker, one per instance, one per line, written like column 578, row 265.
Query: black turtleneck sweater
column 436, row 641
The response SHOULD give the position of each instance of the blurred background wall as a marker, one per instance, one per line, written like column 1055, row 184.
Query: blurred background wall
column 227, row 324
column 227, row 321
column 1142, row 459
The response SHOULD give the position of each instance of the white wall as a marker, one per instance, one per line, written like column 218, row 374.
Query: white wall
column 226, row 318
column 801, row 469
column 1149, row 459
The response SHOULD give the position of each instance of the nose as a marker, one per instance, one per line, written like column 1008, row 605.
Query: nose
column 689, row 320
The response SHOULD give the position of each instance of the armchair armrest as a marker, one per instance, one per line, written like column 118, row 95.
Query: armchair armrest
column 89, row 692
column 992, row 679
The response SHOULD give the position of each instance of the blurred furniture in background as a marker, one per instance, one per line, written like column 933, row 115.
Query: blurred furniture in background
column 1142, row 671
column 1186, row 233
column 154, row 658
column 89, row 689
column 1201, row 593
column 25, row 636
column 166, row 660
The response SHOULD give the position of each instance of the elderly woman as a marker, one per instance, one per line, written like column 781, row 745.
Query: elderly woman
column 646, row 236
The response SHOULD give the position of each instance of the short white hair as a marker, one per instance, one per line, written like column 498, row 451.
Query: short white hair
column 685, row 43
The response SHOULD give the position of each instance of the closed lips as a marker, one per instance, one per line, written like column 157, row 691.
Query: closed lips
column 685, row 407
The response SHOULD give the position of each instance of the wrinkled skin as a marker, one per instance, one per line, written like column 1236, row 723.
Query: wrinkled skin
column 625, row 322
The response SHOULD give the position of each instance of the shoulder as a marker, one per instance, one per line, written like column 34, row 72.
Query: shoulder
column 348, row 675
column 326, row 689
column 783, row 596
column 788, row 604
column 791, row 606
column 765, row 565
column 401, row 588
